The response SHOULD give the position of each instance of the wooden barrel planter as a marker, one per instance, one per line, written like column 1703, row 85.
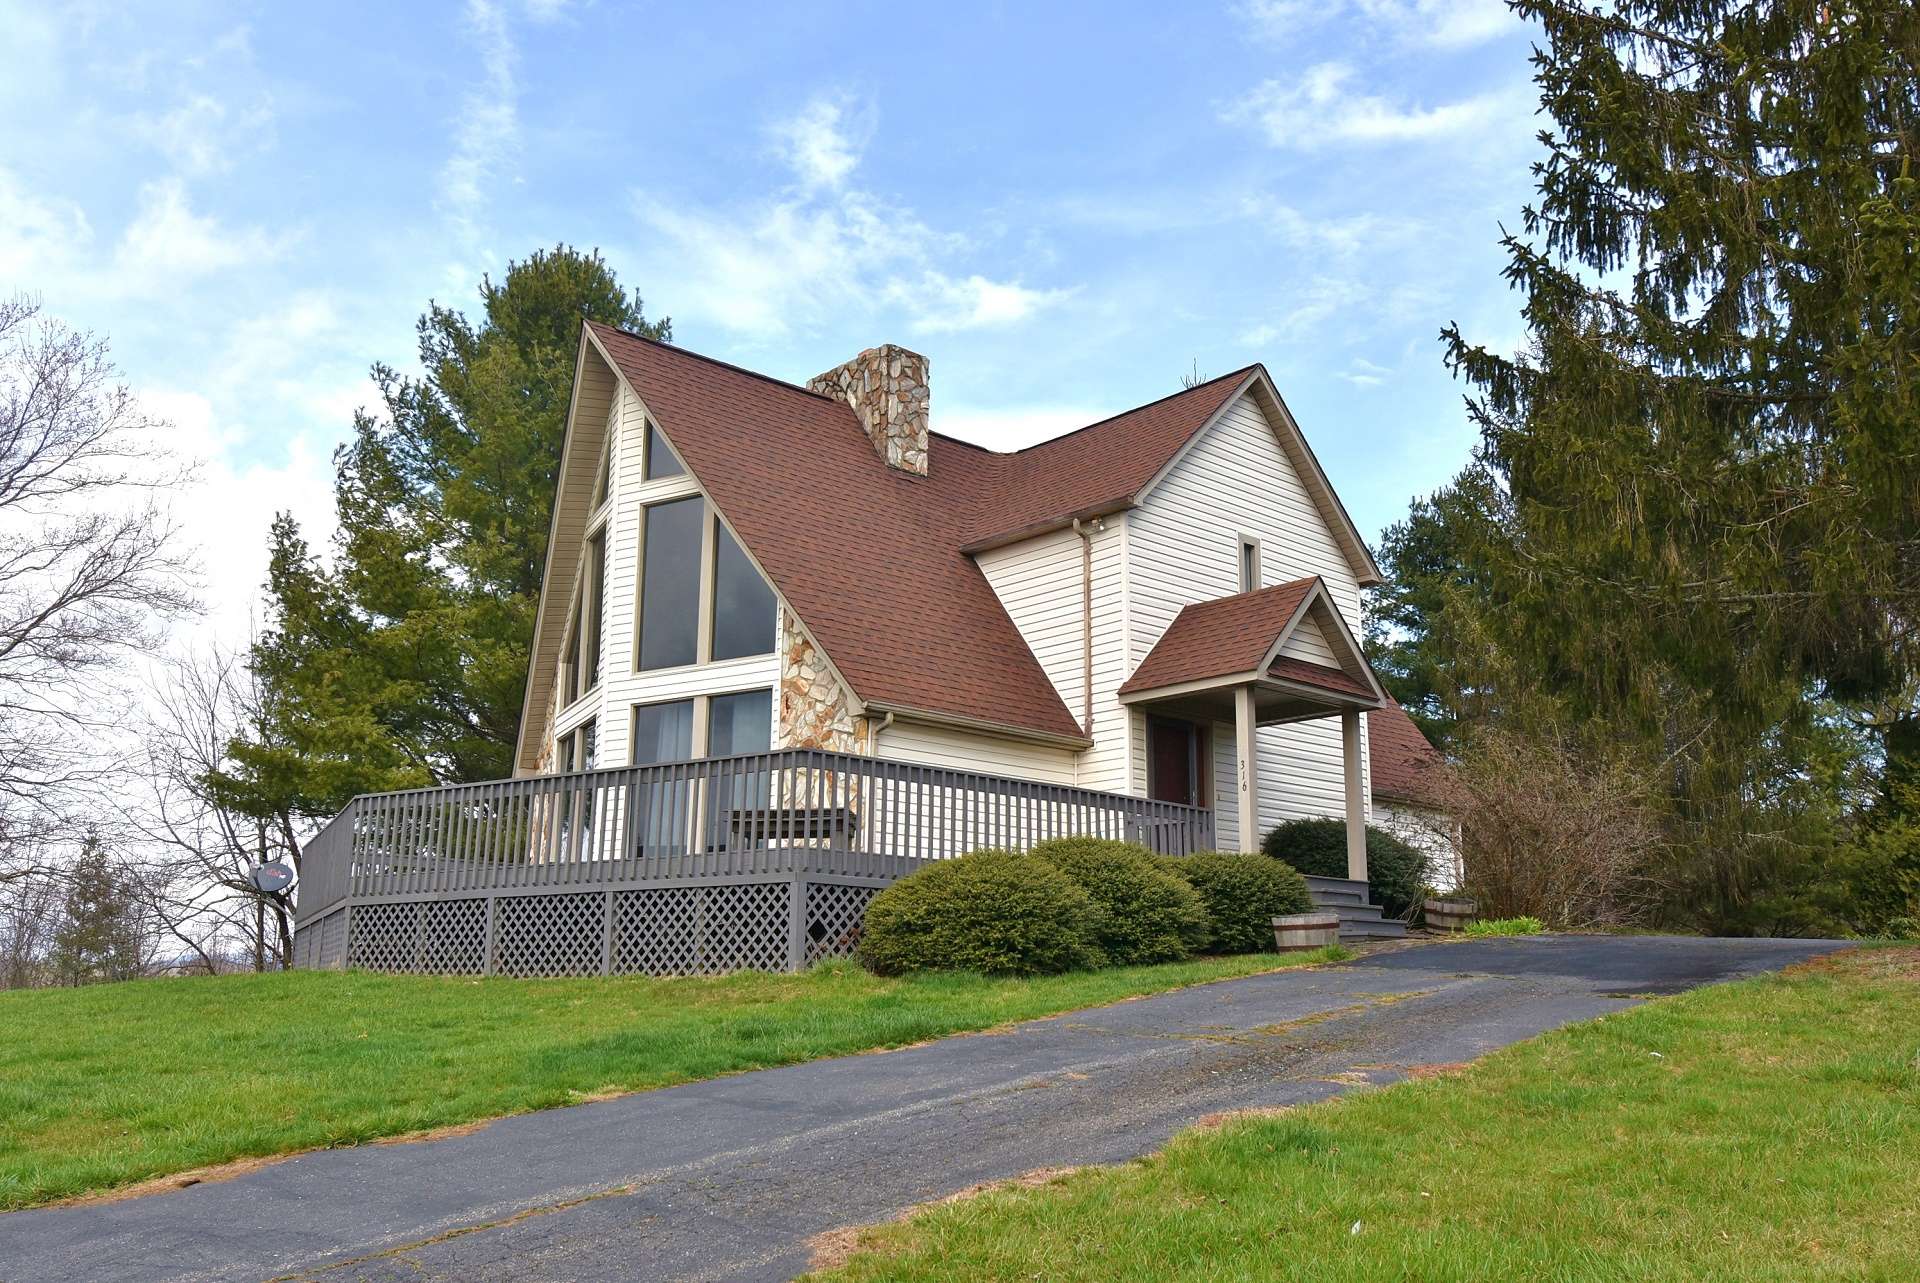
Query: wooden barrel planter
column 1293, row 932
column 1451, row 915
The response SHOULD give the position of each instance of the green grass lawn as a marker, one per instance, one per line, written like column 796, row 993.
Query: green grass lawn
column 108, row 1085
column 1765, row 1130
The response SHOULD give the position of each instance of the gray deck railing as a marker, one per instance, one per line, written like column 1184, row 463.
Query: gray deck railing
column 710, row 817
column 797, row 815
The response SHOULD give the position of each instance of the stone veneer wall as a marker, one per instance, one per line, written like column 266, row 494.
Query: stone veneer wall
column 887, row 388
column 815, row 711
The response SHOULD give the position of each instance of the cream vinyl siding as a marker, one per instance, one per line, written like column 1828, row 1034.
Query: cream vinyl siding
column 1226, row 804
column 1307, row 643
column 621, row 687
column 1183, row 546
column 1038, row 582
column 963, row 750
column 1433, row 833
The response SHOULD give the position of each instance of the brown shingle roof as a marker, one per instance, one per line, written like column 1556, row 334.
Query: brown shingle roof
column 867, row 555
column 1219, row 638
column 1097, row 469
column 1308, row 673
column 876, row 561
column 1398, row 755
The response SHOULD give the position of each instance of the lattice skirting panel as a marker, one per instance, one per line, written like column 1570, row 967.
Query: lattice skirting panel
column 834, row 914
column 322, row 943
column 655, row 930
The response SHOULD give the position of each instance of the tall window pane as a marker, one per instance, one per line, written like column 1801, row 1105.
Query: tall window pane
column 742, row 603
column 670, row 584
column 661, row 460
column 741, row 723
column 663, row 808
column 596, row 586
column 662, row 732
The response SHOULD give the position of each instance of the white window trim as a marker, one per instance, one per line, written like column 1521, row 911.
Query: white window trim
column 1245, row 543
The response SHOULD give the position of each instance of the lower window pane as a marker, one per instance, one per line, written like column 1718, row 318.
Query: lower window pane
column 662, row 732
column 740, row 723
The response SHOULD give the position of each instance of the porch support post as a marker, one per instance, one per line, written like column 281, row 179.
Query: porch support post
column 1352, row 768
column 1249, row 773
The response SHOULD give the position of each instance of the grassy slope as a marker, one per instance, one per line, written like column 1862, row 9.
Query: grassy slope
column 112, row 1084
column 1766, row 1130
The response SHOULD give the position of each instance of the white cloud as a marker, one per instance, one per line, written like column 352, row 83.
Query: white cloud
column 1343, row 236
column 202, row 134
column 40, row 238
column 1320, row 108
column 488, row 132
column 817, row 143
column 168, row 244
column 1445, row 24
column 224, row 512
column 820, row 247
column 940, row 304
column 1363, row 373
column 1307, row 310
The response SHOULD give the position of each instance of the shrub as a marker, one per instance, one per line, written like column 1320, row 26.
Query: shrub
column 1396, row 872
column 1506, row 927
column 1147, row 914
column 1555, row 829
column 1242, row 894
column 997, row 912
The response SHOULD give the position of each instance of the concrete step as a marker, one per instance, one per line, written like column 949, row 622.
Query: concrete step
column 1346, row 890
column 1378, row 929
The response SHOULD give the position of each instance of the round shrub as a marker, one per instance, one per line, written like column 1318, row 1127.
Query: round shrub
column 1395, row 871
column 1147, row 914
column 1243, row 893
column 993, row 911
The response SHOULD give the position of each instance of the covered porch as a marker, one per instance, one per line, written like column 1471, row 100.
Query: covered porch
column 1271, row 657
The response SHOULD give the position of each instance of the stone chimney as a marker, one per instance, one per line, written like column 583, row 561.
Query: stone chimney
column 887, row 388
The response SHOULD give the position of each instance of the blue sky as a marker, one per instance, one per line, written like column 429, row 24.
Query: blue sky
column 1066, row 207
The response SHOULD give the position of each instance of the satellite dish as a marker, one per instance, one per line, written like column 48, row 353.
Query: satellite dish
column 272, row 877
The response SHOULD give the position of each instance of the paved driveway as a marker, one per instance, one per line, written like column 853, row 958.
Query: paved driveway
column 728, row 1179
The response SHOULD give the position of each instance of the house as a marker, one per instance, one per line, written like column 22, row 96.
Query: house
column 1407, row 775
column 1139, row 606
column 792, row 642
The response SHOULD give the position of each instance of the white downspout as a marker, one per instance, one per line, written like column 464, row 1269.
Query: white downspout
column 873, row 733
column 1086, row 623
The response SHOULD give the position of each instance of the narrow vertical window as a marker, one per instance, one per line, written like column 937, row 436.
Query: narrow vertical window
column 1249, row 564
column 661, row 461
column 596, row 587
column 670, row 584
column 743, row 607
column 603, row 484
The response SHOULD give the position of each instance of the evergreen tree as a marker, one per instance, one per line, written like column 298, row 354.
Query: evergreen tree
column 402, row 659
column 99, row 934
column 1708, row 494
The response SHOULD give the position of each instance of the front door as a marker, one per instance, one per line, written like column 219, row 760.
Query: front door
column 1175, row 761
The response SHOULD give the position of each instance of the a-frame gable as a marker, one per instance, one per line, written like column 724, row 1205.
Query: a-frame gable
column 1317, row 613
column 584, row 440
column 1259, row 387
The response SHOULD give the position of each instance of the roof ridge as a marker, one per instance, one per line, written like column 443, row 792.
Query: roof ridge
column 677, row 350
column 1145, row 405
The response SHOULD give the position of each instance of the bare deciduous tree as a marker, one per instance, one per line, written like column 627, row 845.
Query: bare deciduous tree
column 199, row 844
column 1553, row 830
column 90, row 571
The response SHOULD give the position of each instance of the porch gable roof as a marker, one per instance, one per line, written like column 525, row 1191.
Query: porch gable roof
column 1239, row 638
